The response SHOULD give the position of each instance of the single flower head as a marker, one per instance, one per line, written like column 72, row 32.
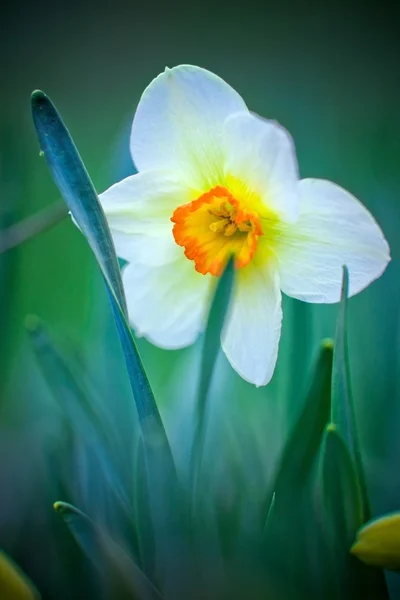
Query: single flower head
column 215, row 180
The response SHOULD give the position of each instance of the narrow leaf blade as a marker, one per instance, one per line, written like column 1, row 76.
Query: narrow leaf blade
column 78, row 192
column 343, row 414
column 123, row 576
column 76, row 187
column 343, row 516
column 302, row 448
column 211, row 347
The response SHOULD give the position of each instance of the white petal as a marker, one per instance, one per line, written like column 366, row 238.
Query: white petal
column 168, row 304
column 261, row 154
column 138, row 211
column 334, row 229
column 252, row 335
column 178, row 124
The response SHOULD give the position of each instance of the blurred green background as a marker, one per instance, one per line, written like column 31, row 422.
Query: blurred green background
column 329, row 73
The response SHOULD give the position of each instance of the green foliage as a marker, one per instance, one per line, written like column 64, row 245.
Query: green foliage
column 301, row 450
column 78, row 192
column 211, row 347
column 121, row 576
column 271, row 524
column 343, row 414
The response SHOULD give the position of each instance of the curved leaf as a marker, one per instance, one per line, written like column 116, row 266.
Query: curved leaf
column 123, row 577
column 342, row 414
column 343, row 516
column 303, row 445
column 78, row 192
column 211, row 348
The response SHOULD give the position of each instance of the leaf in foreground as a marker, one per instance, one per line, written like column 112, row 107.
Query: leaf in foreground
column 303, row 445
column 343, row 413
column 78, row 192
column 123, row 577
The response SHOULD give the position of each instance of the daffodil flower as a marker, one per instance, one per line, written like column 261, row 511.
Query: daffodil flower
column 215, row 180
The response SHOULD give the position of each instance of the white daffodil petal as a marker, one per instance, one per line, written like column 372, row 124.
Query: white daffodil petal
column 167, row 305
column 178, row 124
column 334, row 229
column 251, row 338
column 138, row 211
column 261, row 155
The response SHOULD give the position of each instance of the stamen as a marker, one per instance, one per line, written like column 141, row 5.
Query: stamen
column 230, row 229
column 234, row 231
column 219, row 226
column 244, row 226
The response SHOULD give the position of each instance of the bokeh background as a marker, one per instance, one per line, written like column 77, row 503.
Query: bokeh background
column 329, row 73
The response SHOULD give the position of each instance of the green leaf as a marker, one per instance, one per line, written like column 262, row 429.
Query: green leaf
column 14, row 584
column 343, row 516
column 78, row 192
column 341, row 491
column 122, row 576
column 81, row 412
column 211, row 348
column 378, row 542
column 32, row 226
column 76, row 188
column 141, row 507
column 303, row 445
column 343, row 414
column 212, row 337
column 66, row 382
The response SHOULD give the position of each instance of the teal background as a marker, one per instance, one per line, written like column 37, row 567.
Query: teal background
column 329, row 74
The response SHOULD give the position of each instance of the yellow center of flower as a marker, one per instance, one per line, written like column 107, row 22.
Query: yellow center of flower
column 214, row 227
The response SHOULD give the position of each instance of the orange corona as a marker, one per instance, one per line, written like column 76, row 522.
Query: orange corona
column 214, row 227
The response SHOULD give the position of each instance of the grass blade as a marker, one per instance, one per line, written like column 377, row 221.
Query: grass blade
column 343, row 516
column 343, row 414
column 14, row 584
column 76, row 187
column 210, row 351
column 78, row 192
column 32, row 226
column 302, row 448
column 123, row 577
column 80, row 411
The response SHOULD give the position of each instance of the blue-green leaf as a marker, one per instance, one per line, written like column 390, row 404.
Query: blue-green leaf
column 76, row 187
column 80, row 410
column 122, row 576
column 343, row 516
column 211, row 347
column 78, row 192
column 212, row 337
column 341, row 491
column 342, row 414
column 303, row 445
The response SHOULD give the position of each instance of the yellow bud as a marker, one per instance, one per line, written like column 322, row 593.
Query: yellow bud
column 378, row 542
